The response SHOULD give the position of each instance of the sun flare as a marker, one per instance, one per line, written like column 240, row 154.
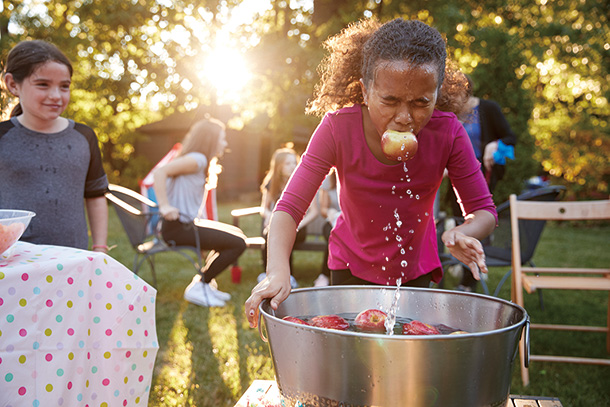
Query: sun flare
column 226, row 69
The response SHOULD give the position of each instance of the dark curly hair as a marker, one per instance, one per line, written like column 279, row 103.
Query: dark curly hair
column 355, row 52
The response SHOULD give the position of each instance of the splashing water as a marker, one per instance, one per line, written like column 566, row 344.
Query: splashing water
column 391, row 318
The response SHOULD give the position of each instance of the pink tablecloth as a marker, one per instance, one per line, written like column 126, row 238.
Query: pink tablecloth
column 77, row 328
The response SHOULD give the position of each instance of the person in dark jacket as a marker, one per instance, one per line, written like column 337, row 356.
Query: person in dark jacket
column 493, row 142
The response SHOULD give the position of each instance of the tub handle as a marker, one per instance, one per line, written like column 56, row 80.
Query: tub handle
column 260, row 324
column 526, row 337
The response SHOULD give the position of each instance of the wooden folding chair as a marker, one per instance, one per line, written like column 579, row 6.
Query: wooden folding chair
column 531, row 279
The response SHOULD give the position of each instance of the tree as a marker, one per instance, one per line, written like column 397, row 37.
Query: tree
column 545, row 63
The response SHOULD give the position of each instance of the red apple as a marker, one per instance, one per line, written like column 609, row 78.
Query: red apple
column 419, row 328
column 295, row 320
column 398, row 146
column 371, row 320
column 330, row 322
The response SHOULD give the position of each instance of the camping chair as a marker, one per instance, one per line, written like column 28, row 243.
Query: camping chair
column 135, row 213
column 560, row 278
column 498, row 246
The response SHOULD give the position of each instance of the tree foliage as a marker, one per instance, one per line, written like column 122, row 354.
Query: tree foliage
column 546, row 63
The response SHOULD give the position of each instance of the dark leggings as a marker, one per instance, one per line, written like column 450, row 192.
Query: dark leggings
column 345, row 277
column 225, row 242
column 326, row 232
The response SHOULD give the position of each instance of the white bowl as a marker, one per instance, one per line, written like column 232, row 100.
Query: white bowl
column 13, row 223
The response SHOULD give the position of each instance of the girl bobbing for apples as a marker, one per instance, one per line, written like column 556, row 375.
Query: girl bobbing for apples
column 383, row 77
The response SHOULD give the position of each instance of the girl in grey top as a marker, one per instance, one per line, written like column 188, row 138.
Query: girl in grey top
column 50, row 164
column 180, row 187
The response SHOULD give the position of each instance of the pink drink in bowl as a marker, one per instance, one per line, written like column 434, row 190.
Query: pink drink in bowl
column 13, row 223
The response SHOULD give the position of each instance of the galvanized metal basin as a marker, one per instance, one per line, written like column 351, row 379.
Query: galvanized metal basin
column 324, row 367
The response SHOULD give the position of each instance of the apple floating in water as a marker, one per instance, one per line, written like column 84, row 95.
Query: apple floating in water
column 371, row 320
column 398, row 146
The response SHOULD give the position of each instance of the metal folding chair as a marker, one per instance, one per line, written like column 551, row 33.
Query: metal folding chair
column 139, row 216
column 498, row 246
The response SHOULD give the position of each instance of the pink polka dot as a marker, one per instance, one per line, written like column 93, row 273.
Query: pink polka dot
column 34, row 318
column 128, row 354
column 1, row 301
column 124, row 402
column 25, row 276
column 70, row 331
column 145, row 289
column 106, row 382
column 69, row 385
column 130, row 307
column 109, row 284
column 49, row 303
column 108, row 332
column 146, row 332
column 141, row 378
column 88, row 355
column 21, row 391
column 89, row 305
column 48, row 357
column 70, row 280
column 34, row 374
column 23, row 332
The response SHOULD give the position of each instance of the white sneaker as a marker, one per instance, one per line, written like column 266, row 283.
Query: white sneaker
column 200, row 293
column 321, row 281
column 219, row 294
column 293, row 282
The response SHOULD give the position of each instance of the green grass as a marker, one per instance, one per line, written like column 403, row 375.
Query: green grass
column 209, row 356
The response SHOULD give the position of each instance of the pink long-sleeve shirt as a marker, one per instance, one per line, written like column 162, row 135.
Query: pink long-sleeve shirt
column 386, row 229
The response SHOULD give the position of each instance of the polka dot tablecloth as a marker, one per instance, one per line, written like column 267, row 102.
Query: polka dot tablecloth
column 77, row 328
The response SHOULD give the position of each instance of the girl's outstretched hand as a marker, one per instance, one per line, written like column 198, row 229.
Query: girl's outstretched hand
column 274, row 287
column 466, row 249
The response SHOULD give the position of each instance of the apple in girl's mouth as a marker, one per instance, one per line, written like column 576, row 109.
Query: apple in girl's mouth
column 398, row 146
column 371, row 320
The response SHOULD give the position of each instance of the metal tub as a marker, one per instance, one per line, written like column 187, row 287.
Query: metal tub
column 323, row 367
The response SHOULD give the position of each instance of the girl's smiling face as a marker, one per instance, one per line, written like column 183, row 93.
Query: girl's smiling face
column 44, row 95
column 402, row 96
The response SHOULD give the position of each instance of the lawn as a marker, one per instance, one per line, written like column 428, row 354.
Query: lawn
column 209, row 356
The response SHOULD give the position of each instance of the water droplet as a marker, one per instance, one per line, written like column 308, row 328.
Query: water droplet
column 398, row 238
column 409, row 191
column 399, row 223
column 416, row 196
column 383, row 268
column 387, row 259
column 403, row 263
column 427, row 214
column 411, row 231
column 402, row 251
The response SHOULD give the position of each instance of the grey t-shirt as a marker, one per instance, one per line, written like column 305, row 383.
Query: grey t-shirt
column 51, row 174
column 186, row 191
